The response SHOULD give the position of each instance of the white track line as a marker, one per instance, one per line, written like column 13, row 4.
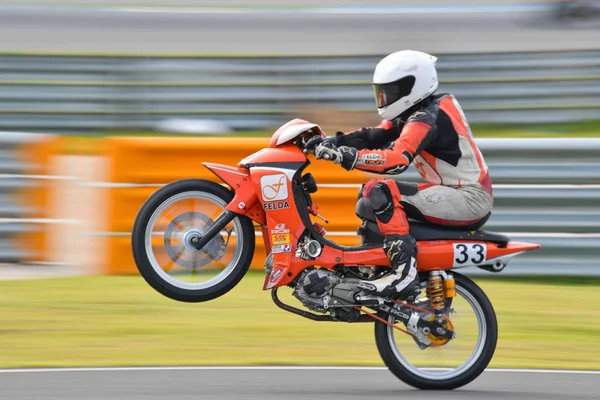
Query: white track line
column 269, row 368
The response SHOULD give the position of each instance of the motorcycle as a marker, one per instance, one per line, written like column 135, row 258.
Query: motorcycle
column 193, row 240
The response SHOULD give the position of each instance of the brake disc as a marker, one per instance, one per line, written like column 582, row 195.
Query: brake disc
column 180, row 233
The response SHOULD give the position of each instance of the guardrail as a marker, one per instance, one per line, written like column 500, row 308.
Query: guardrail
column 82, row 93
column 546, row 191
column 22, row 196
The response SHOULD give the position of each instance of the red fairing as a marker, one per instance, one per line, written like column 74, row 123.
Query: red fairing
column 232, row 176
column 245, row 202
column 281, row 154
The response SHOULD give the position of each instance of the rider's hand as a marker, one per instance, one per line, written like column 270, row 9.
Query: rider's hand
column 314, row 141
column 312, row 144
column 344, row 155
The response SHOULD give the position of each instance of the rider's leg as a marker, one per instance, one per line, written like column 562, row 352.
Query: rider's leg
column 399, row 245
column 444, row 205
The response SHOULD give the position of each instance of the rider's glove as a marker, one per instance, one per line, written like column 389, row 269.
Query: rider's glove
column 314, row 141
column 344, row 155
column 312, row 144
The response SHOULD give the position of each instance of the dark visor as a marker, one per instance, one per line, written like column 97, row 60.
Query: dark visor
column 388, row 93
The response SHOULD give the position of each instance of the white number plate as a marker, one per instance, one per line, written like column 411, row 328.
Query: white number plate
column 467, row 254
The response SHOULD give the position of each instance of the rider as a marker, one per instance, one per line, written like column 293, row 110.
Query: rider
column 425, row 128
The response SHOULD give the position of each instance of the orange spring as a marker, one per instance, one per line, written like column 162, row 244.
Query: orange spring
column 436, row 292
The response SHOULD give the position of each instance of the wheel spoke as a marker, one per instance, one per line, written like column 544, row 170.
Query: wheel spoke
column 174, row 259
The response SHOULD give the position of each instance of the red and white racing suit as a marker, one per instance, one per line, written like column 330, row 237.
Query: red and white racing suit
column 438, row 141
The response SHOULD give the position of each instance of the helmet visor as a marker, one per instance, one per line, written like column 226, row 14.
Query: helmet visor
column 388, row 93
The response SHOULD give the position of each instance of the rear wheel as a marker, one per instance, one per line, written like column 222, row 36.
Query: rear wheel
column 164, row 233
column 450, row 364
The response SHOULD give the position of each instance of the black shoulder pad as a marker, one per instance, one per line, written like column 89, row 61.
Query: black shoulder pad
column 427, row 114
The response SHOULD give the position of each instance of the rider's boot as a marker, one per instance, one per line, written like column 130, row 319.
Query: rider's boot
column 403, row 282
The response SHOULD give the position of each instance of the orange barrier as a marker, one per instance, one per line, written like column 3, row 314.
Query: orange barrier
column 163, row 160
column 37, row 155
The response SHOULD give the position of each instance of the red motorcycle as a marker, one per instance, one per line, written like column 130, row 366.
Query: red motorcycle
column 193, row 240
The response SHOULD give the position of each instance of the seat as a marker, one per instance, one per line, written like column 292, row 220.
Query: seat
column 426, row 231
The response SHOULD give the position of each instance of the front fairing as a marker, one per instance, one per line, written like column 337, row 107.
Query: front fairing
column 273, row 171
column 287, row 156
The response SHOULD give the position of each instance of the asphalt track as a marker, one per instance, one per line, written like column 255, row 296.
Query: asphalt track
column 328, row 31
column 275, row 383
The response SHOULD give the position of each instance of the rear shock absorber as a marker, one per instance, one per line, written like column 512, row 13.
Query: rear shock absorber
column 435, row 292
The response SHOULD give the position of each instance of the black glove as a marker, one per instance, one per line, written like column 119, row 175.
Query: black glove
column 346, row 156
column 314, row 141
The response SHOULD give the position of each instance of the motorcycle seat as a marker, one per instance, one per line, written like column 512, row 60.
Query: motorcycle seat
column 424, row 231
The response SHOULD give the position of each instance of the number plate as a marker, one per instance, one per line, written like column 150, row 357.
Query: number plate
column 467, row 254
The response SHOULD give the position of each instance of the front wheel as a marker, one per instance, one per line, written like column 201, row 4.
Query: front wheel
column 164, row 233
column 448, row 364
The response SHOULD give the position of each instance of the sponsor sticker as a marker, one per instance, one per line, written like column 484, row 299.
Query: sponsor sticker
column 277, row 205
column 276, row 276
column 371, row 159
column 280, row 228
column 280, row 239
column 274, row 187
column 281, row 248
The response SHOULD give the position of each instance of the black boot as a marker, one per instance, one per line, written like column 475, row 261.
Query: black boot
column 403, row 282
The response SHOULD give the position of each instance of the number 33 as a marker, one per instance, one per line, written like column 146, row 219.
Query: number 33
column 469, row 254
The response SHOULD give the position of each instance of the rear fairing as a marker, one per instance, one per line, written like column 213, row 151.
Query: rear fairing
column 443, row 254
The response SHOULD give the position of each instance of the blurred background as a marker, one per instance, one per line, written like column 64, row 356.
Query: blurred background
column 101, row 102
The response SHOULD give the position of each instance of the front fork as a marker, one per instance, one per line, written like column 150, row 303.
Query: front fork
column 221, row 222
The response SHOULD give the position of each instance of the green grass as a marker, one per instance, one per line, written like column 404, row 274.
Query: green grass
column 91, row 321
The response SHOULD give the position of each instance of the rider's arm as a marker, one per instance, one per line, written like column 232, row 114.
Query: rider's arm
column 418, row 132
column 369, row 138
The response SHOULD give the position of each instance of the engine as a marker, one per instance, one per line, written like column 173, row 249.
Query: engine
column 315, row 288
column 323, row 291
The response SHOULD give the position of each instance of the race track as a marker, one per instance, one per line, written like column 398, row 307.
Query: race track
column 287, row 32
column 276, row 384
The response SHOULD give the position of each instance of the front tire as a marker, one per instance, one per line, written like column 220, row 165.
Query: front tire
column 439, row 376
column 150, row 232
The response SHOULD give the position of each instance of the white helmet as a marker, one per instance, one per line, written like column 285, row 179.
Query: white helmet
column 403, row 79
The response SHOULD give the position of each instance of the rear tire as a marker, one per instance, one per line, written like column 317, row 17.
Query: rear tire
column 144, row 264
column 388, row 352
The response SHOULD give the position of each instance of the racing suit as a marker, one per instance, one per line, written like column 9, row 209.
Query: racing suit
column 437, row 139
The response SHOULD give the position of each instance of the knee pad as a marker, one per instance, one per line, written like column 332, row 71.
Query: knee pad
column 382, row 202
